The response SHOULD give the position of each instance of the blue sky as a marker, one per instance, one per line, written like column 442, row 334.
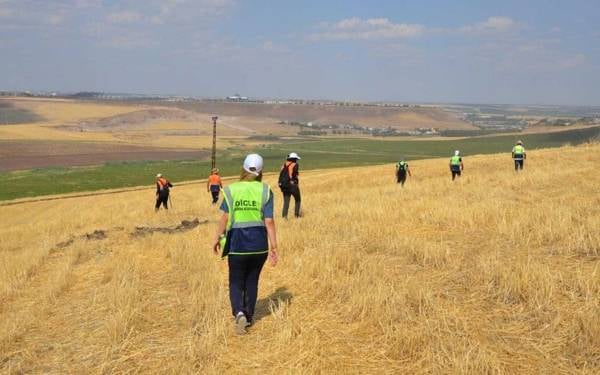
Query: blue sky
column 523, row 52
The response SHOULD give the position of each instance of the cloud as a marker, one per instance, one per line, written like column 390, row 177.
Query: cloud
column 175, row 10
column 126, row 16
column 572, row 61
column 370, row 29
column 495, row 24
column 356, row 28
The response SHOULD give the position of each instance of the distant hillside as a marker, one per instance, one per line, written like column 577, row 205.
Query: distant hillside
column 373, row 116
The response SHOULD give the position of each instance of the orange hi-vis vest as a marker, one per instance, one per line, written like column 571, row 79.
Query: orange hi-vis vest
column 162, row 183
column 290, row 168
column 214, row 179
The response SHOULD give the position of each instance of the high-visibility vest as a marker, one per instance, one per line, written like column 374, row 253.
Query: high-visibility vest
column 455, row 160
column 162, row 183
column 246, row 230
column 518, row 150
column 290, row 168
column 402, row 166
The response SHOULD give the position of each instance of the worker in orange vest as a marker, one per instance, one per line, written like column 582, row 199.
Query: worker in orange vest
column 214, row 185
column 162, row 192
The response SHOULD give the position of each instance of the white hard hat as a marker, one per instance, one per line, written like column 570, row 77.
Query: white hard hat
column 159, row 175
column 293, row 155
column 253, row 164
column 456, row 153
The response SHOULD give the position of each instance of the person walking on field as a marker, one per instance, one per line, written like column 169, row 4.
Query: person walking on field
column 243, row 235
column 163, row 187
column 288, row 183
column 401, row 171
column 214, row 185
column 456, row 165
column 518, row 155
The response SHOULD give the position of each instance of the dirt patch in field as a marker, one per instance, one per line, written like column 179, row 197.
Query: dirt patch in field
column 19, row 155
column 98, row 234
column 133, row 120
column 184, row 226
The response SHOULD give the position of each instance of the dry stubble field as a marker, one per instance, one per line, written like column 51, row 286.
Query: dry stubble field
column 496, row 273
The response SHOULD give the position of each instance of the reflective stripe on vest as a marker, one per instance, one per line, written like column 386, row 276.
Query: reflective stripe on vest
column 455, row 160
column 246, row 201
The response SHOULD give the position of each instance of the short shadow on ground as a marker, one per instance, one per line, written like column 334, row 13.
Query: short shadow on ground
column 280, row 296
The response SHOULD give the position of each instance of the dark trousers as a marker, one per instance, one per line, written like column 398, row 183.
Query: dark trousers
column 401, row 178
column 455, row 172
column 294, row 191
column 215, row 196
column 244, row 271
column 519, row 164
column 162, row 198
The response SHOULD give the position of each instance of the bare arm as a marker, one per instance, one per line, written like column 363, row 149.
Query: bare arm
column 270, row 224
column 220, row 230
column 408, row 170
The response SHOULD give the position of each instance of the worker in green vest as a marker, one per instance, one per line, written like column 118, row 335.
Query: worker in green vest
column 518, row 155
column 244, row 233
column 456, row 165
column 401, row 171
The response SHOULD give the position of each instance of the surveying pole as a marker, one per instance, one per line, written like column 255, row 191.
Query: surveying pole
column 214, row 148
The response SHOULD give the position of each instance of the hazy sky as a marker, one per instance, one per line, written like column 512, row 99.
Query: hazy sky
column 508, row 51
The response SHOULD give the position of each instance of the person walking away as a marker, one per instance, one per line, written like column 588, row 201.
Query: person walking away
column 456, row 165
column 288, row 183
column 243, row 235
column 214, row 185
column 518, row 155
column 163, row 187
column 401, row 171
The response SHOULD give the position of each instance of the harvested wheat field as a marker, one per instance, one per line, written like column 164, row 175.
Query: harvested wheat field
column 495, row 273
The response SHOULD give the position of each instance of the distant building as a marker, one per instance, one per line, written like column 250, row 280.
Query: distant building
column 237, row 98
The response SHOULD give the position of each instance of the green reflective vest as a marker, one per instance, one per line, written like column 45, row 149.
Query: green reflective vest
column 455, row 160
column 245, row 200
column 401, row 166
column 518, row 150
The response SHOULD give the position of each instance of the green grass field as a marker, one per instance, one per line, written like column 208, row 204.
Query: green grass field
column 316, row 154
column 9, row 114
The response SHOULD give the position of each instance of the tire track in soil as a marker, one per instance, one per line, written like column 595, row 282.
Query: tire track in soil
column 54, row 278
column 53, row 255
column 71, row 332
